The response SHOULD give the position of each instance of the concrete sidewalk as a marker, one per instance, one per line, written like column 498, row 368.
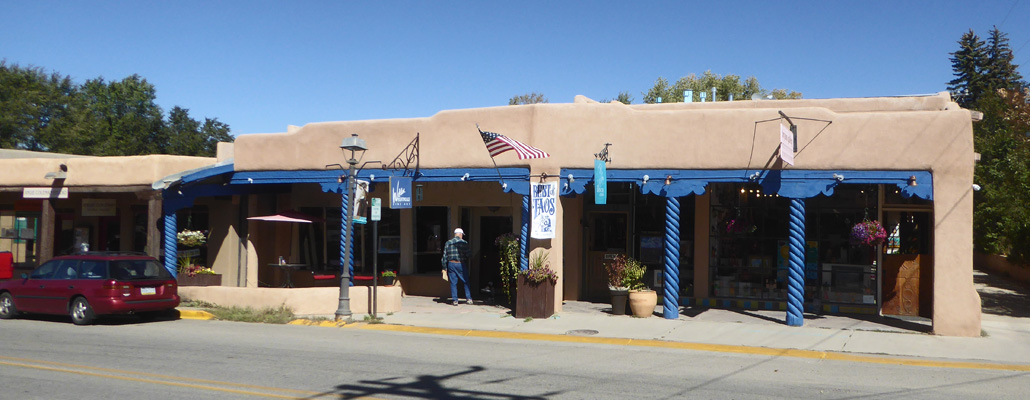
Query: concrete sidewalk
column 1006, row 339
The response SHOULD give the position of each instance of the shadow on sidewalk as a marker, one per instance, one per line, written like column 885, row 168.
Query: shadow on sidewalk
column 1000, row 295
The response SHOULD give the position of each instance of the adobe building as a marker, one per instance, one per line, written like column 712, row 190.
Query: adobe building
column 701, row 193
column 55, row 204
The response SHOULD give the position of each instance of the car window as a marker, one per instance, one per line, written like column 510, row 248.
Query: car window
column 93, row 269
column 45, row 271
column 66, row 269
column 138, row 269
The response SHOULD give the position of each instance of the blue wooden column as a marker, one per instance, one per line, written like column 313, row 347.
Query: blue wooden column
column 345, row 261
column 524, row 235
column 671, row 286
column 171, row 243
column 796, row 277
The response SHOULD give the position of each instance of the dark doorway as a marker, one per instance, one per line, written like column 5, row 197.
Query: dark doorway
column 489, row 253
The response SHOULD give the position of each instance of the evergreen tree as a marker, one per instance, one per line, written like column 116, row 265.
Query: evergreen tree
column 999, row 71
column 968, row 63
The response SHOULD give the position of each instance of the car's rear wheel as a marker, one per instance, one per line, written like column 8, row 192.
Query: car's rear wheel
column 81, row 312
column 7, row 309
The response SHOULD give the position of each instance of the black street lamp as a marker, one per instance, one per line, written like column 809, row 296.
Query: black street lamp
column 351, row 144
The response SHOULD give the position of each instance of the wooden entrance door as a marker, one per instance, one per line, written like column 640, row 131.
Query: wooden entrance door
column 907, row 285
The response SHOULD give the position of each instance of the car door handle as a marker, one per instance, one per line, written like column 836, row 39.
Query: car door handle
column 71, row 287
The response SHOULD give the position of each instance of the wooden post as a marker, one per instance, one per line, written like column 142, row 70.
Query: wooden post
column 46, row 233
column 154, row 213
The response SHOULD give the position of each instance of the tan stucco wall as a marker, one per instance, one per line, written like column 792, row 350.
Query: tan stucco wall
column 97, row 171
column 303, row 302
column 910, row 133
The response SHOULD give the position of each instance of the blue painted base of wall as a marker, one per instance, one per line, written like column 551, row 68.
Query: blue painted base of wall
column 776, row 306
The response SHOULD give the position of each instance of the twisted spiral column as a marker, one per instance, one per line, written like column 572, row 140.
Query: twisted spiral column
column 524, row 235
column 171, row 244
column 796, row 277
column 344, row 211
column 671, row 286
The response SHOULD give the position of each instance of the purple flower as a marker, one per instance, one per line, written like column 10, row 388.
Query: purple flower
column 869, row 233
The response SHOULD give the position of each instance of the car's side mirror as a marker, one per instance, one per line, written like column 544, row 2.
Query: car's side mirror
column 24, row 276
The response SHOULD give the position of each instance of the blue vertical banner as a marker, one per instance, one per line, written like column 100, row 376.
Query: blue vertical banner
column 400, row 192
column 600, row 182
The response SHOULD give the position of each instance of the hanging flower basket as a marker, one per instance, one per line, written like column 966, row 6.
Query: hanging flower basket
column 190, row 238
column 868, row 233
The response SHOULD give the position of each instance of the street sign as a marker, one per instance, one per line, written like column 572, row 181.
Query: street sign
column 377, row 209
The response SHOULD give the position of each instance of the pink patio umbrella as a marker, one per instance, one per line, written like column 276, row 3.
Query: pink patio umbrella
column 288, row 216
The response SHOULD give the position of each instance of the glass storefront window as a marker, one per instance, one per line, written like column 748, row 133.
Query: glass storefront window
column 749, row 232
column 746, row 229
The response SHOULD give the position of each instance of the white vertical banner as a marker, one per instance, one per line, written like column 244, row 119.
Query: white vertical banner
column 544, row 203
column 786, row 145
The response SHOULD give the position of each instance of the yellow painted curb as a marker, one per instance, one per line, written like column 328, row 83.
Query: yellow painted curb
column 195, row 314
column 718, row 348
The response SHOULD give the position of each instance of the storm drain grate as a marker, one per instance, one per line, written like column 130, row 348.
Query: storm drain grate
column 581, row 332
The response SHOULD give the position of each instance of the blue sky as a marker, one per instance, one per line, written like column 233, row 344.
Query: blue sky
column 262, row 65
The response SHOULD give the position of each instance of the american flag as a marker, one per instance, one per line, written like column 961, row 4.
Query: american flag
column 497, row 144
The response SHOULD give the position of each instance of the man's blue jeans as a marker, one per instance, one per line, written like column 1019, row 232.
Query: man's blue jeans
column 458, row 271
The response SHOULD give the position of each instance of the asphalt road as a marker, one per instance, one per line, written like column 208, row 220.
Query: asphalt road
column 49, row 358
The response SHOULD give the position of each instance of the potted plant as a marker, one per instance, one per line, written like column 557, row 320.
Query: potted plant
column 535, row 291
column 388, row 277
column 196, row 275
column 508, row 245
column 642, row 300
column 616, row 286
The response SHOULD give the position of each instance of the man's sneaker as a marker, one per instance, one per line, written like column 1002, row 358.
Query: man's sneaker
column 454, row 303
column 469, row 301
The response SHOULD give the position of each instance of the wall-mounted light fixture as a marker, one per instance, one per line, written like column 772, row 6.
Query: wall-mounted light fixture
column 62, row 173
column 646, row 178
column 372, row 177
column 912, row 181
column 754, row 176
column 465, row 177
column 571, row 179
column 838, row 177
column 668, row 179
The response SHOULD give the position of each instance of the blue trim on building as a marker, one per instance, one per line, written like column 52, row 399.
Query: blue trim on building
column 787, row 183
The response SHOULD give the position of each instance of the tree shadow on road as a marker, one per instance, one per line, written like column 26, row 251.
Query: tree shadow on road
column 423, row 387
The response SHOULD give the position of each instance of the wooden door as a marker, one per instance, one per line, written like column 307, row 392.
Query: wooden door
column 901, row 287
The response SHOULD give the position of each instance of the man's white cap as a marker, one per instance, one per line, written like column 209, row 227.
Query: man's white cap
column 458, row 230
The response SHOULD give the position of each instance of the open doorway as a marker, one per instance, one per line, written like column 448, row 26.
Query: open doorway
column 490, row 227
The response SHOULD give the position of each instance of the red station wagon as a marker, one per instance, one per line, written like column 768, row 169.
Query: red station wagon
column 87, row 285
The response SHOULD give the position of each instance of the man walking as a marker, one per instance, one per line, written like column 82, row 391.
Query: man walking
column 455, row 264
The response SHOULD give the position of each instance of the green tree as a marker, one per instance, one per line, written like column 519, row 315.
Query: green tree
column 48, row 112
column 34, row 108
column 725, row 86
column 528, row 98
column 967, row 63
column 988, row 81
column 622, row 97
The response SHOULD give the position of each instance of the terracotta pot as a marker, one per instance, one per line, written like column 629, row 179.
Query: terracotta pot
column 643, row 302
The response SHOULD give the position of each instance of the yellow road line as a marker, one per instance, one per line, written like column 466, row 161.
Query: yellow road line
column 166, row 379
column 721, row 348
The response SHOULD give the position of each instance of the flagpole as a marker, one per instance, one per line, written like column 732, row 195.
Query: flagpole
column 499, row 177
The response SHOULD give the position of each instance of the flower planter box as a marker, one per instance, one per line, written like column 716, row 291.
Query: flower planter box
column 534, row 300
column 200, row 280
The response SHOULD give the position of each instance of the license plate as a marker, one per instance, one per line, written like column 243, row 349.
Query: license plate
column 147, row 290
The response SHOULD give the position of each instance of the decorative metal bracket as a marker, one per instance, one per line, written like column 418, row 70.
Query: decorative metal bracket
column 406, row 157
column 603, row 155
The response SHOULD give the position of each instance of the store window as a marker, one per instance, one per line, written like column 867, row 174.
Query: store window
column 847, row 271
column 430, row 236
column 747, row 228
